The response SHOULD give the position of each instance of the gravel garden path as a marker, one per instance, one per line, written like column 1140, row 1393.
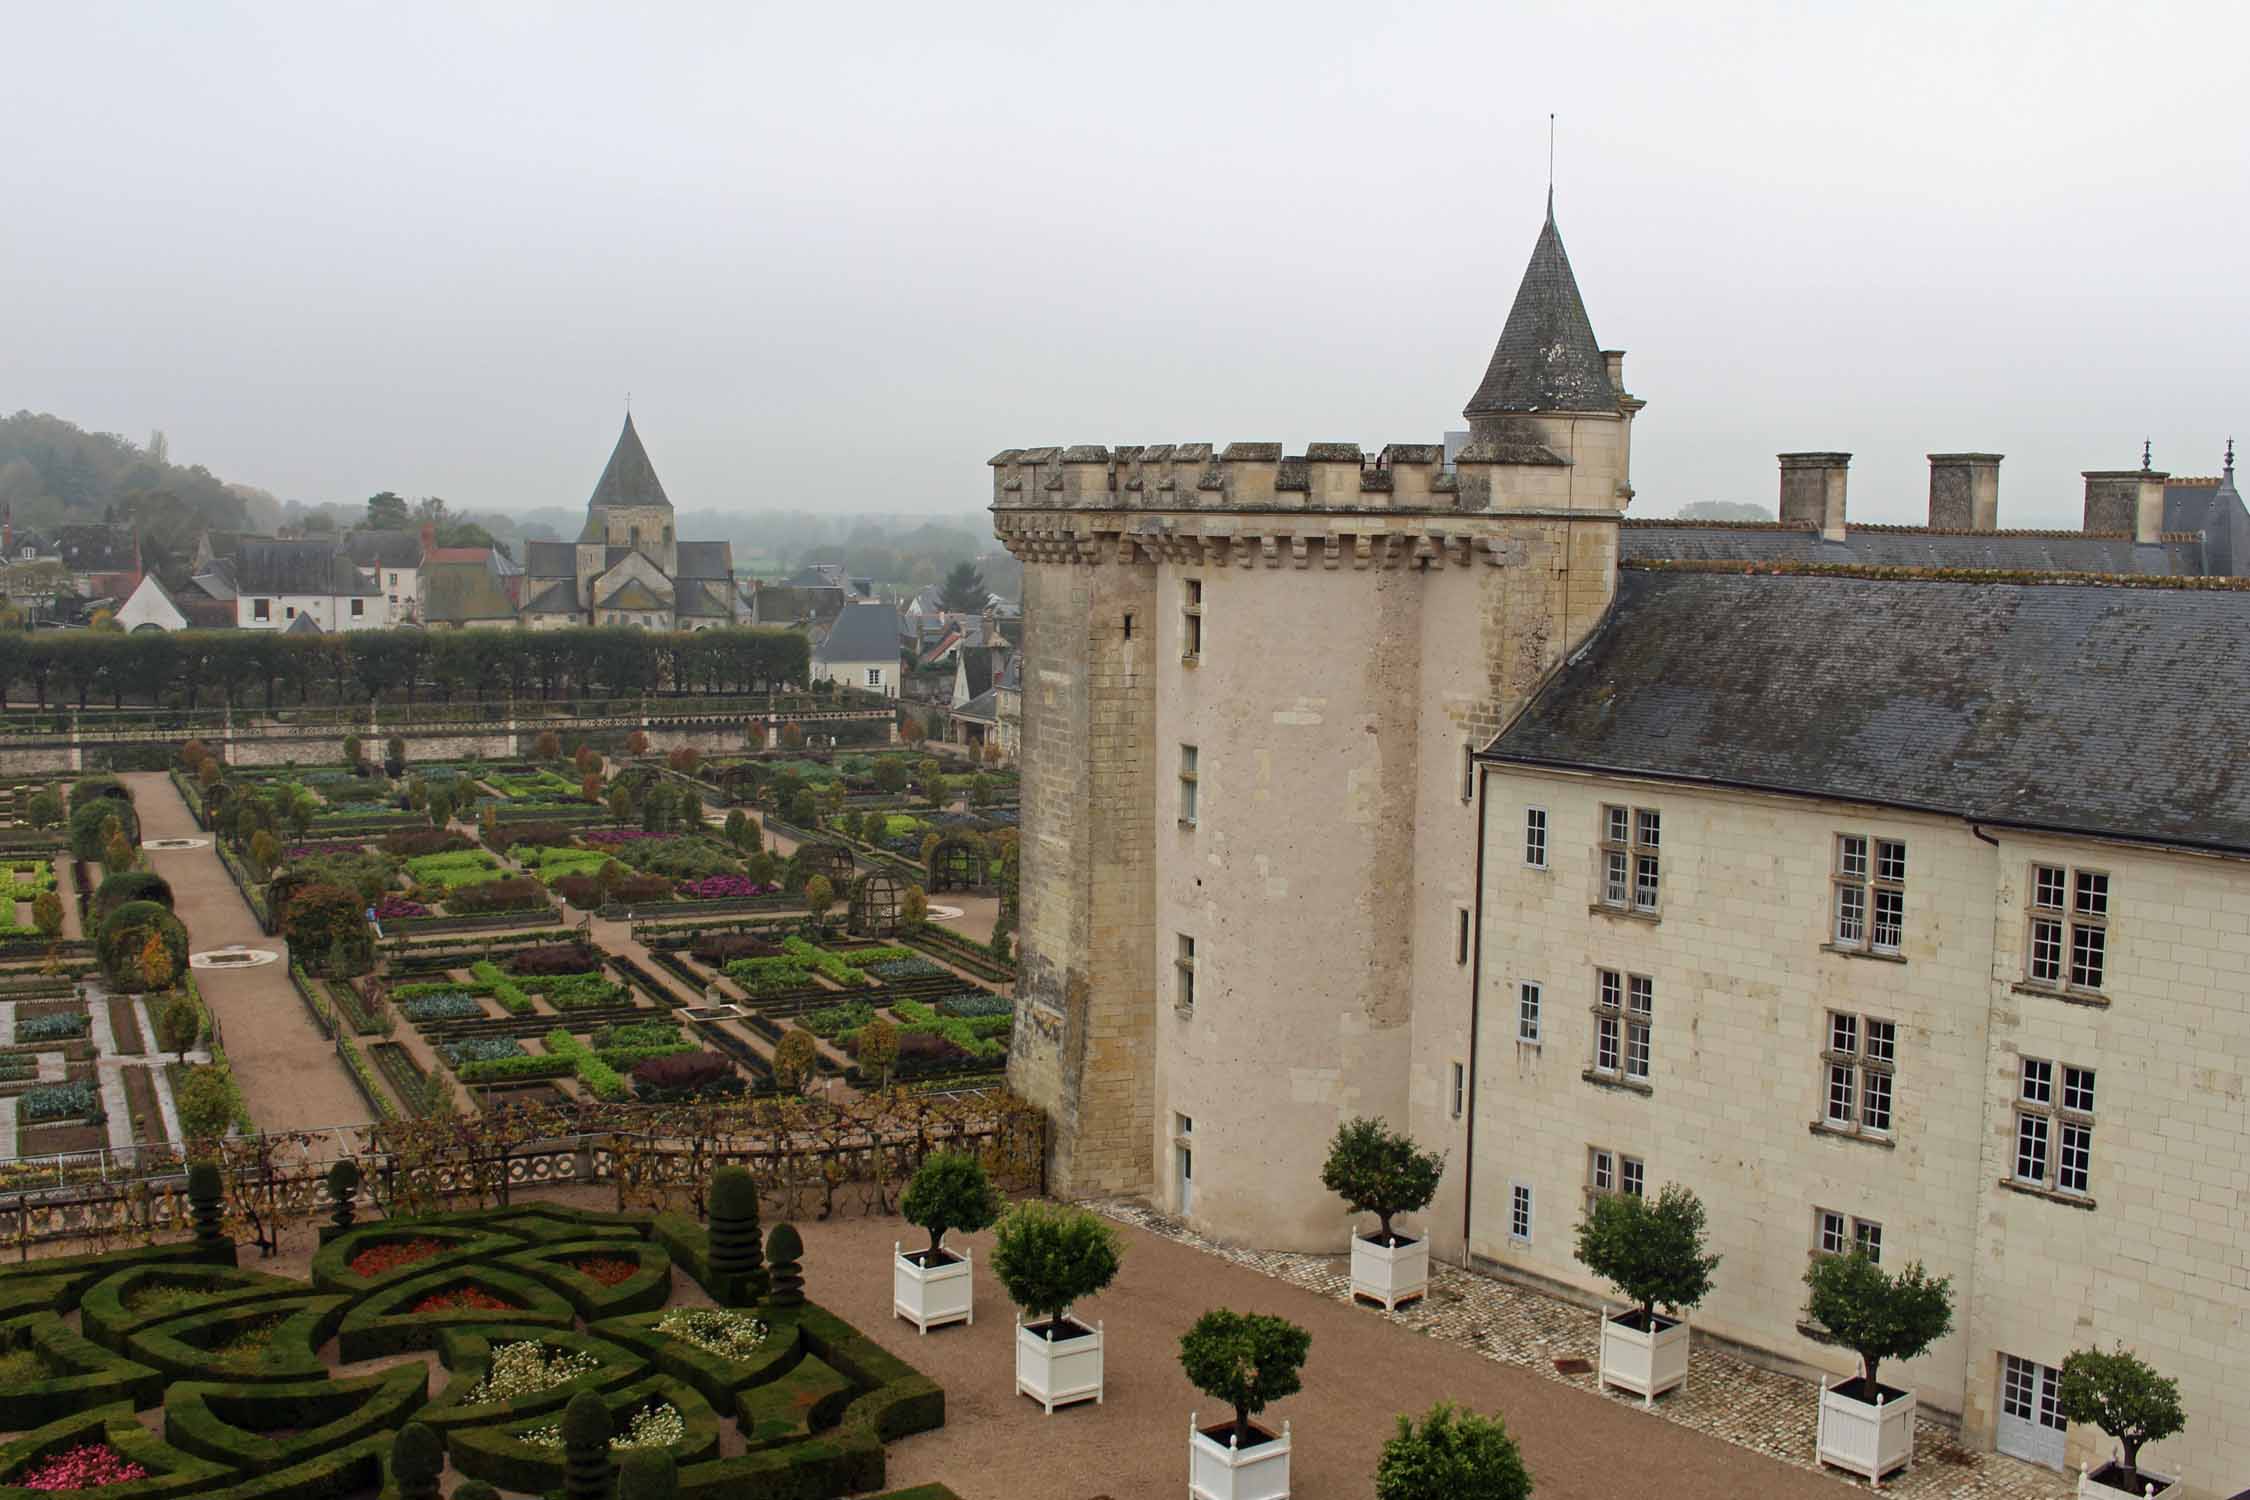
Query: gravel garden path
column 290, row 1075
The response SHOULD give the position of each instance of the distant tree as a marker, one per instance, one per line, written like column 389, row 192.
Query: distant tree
column 1454, row 1455
column 1377, row 1170
column 793, row 736
column 891, row 774
column 548, row 746
column 636, row 743
column 1876, row 1315
column 386, row 512
column 739, row 829
column 621, row 803
column 963, row 591
column 877, row 1050
column 2124, row 1396
column 819, row 896
column 794, row 1058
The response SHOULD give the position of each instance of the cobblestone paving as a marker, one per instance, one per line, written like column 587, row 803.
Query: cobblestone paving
column 1724, row 1397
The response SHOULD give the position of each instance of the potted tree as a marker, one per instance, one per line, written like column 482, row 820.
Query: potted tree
column 1454, row 1455
column 1380, row 1171
column 1048, row 1256
column 1866, row 1426
column 1652, row 1253
column 2127, row 1399
column 1247, row 1360
column 930, row 1286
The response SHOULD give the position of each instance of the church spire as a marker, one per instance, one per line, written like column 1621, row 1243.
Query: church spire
column 630, row 478
column 1547, row 359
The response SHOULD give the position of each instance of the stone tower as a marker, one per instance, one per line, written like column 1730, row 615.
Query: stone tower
column 1251, row 684
column 629, row 507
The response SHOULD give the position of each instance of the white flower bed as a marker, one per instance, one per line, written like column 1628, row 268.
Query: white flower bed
column 526, row 1368
column 658, row 1426
column 730, row 1335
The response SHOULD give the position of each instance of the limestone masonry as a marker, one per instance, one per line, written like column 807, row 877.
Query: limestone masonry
column 1875, row 902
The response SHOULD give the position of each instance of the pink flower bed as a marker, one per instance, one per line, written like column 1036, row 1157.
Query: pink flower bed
column 600, row 836
column 315, row 851
column 398, row 906
column 723, row 887
column 86, row 1467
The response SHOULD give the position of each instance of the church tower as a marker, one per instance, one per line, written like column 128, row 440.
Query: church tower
column 629, row 507
column 1252, row 684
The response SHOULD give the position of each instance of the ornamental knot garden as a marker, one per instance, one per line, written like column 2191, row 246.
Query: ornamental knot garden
column 170, row 1370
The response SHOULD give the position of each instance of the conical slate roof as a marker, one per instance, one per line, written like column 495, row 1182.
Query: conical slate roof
column 630, row 478
column 1547, row 359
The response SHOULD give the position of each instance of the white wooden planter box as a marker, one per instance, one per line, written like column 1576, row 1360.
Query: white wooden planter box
column 1390, row 1276
column 1871, row 1441
column 1646, row 1363
column 927, row 1296
column 1221, row 1471
column 1056, row 1372
column 2090, row 1488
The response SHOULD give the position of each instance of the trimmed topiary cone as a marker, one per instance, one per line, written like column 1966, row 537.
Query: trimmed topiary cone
column 735, row 1256
column 417, row 1458
column 206, row 1203
column 785, row 1249
column 343, row 1187
column 586, row 1432
column 646, row 1474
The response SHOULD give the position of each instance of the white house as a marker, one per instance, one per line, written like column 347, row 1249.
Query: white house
column 150, row 607
column 277, row 581
column 861, row 650
column 395, row 558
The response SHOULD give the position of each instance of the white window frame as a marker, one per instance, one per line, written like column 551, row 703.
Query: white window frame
column 1629, row 860
column 1183, row 966
column 1528, row 997
column 1859, row 1075
column 1191, row 620
column 1535, row 837
column 1521, row 1212
column 2069, row 925
column 874, row 677
column 1624, row 1027
column 2053, row 1128
column 1191, row 797
column 1838, row 1233
column 1610, row 1171
column 1867, row 905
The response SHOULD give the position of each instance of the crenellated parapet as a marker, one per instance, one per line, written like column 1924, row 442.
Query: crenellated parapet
column 1521, row 474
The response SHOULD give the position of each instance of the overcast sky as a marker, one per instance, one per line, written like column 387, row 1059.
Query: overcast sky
column 840, row 254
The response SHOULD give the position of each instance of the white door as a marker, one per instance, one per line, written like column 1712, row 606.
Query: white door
column 1187, row 1178
column 2030, row 1427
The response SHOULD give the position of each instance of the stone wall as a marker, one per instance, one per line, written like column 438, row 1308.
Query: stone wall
column 2156, row 1255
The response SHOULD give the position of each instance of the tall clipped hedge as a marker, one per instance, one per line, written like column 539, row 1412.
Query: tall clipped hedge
column 132, row 885
column 86, row 821
column 124, row 932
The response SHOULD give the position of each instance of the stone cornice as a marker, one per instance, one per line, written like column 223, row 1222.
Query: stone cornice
column 1276, row 538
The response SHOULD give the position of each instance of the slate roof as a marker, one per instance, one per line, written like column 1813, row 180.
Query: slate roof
column 384, row 549
column 1547, row 359
column 550, row 559
column 555, row 597
column 304, row 624
column 1907, row 547
column 2215, row 509
column 219, row 582
column 984, row 708
column 706, row 560
column 630, row 479
column 629, row 593
column 703, row 598
column 263, row 565
column 456, row 592
column 863, row 632
column 976, row 668
column 2088, row 708
column 786, row 604
column 95, row 548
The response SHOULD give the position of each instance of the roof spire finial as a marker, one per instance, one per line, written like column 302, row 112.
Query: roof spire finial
column 1550, row 166
column 2145, row 446
column 2230, row 458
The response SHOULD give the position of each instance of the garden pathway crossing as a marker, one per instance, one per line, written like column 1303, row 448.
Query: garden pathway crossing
column 290, row 1075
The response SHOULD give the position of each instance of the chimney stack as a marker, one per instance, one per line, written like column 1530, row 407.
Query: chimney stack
column 2129, row 501
column 1964, row 491
column 1812, row 489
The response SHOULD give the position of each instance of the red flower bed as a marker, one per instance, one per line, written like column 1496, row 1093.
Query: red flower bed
column 86, row 1467
column 465, row 1299
column 606, row 1270
column 376, row 1259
